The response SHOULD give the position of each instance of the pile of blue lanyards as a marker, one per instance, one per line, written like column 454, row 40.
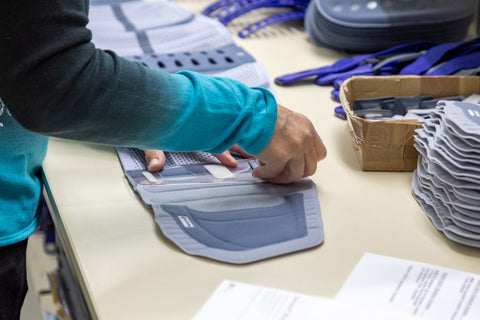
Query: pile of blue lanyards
column 417, row 58
column 227, row 10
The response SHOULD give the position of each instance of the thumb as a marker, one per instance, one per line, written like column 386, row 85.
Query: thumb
column 155, row 160
column 227, row 159
column 268, row 171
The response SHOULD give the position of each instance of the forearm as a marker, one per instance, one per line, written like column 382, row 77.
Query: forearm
column 56, row 83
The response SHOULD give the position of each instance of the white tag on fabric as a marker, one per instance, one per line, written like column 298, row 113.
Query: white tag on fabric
column 219, row 171
column 150, row 177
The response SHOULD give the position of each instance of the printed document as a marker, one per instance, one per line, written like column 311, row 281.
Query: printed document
column 416, row 289
column 240, row 301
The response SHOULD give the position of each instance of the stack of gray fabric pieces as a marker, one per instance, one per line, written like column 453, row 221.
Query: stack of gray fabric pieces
column 373, row 25
column 446, row 182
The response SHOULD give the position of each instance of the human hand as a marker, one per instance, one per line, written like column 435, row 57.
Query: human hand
column 156, row 158
column 293, row 152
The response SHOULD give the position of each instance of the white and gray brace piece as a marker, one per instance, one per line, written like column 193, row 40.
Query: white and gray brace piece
column 226, row 215
column 165, row 36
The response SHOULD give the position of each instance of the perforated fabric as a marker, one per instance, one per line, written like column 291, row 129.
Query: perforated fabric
column 252, row 74
column 166, row 27
column 139, row 30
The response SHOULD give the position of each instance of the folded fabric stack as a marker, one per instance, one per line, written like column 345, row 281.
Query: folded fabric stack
column 446, row 182
column 372, row 25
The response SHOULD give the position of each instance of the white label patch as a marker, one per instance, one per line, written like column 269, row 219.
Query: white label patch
column 219, row 171
column 186, row 222
column 151, row 178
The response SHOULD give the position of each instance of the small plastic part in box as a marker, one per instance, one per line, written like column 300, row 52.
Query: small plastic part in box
column 387, row 145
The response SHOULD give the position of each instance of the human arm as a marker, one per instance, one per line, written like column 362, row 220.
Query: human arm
column 292, row 153
column 55, row 82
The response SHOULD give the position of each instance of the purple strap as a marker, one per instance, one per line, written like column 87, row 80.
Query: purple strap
column 468, row 61
column 346, row 64
column 435, row 55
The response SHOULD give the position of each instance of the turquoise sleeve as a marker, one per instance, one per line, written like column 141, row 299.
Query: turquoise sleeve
column 69, row 89
column 218, row 113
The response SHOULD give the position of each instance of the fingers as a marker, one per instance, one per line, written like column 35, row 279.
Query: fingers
column 155, row 160
column 227, row 159
column 320, row 148
column 269, row 171
column 289, row 172
column 293, row 152
column 238, row 150
column 311, row 160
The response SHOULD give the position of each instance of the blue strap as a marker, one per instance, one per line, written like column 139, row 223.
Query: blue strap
column 435, row 55
column 362, row 70
column 340, row 112
column 346, row 64
column 340, row 66
column 331, row 77
column 335, row 94
column 398, row 59
column 387, row 66
column 468, row 61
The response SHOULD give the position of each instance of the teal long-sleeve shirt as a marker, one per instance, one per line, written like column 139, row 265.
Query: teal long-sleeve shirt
column 56, row 83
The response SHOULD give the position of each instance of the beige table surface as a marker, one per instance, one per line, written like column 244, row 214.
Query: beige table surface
column 129, row 270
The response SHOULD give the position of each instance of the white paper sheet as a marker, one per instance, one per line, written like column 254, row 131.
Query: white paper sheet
column 413, row 288
column 240, row 301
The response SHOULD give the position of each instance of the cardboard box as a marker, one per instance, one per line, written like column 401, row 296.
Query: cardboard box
column 388, row 145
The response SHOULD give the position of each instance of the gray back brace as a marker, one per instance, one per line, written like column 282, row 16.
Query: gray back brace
column 235, row 220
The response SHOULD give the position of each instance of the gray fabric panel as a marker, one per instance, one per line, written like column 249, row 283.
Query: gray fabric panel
column 174, row 228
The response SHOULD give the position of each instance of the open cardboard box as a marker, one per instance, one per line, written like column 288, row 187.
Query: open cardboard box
column 387, row 145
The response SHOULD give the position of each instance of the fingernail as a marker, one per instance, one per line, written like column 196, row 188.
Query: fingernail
column 154, row 162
